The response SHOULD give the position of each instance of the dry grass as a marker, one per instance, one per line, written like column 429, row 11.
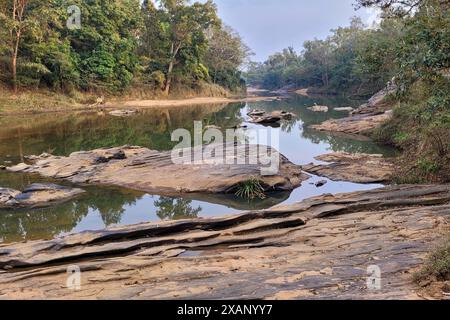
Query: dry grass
column 34, row 101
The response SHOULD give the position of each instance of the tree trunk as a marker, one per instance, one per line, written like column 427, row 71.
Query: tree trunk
column 169, row 78
column 14, row 71
column 173, row 53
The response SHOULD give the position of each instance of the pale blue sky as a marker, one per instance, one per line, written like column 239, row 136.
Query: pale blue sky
column 268, row 26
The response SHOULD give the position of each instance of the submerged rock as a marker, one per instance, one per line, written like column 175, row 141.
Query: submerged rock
column 319, row 108
column 321, row 183
column 156, row 172
column 36, row 195
column 353, row 167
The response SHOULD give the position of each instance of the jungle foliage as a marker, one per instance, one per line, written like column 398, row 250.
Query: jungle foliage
column 118, row 44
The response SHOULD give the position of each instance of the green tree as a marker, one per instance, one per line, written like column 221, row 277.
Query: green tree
column 16, row 18
column 226, row 54
column 105, row 47
column 180, row 37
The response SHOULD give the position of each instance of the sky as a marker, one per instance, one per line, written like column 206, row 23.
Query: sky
column 268, row 26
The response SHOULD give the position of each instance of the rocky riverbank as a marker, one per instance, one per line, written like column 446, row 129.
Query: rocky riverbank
column 155, row 172
column 365, row 118
column 37, row 195
column 354, row 167
column 320, row 248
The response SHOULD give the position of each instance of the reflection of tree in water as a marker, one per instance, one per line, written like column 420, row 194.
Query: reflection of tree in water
column 110, row 203
column 47, row 223
column 40, row 223
column 175, row 209
column 288, row 125
column 346, row 143
column 71, row 133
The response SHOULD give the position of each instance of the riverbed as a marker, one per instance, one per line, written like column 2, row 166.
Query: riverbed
column 63, row 133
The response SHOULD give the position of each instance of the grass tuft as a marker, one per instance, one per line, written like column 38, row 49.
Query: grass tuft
column 251, row 189
column 437, row 267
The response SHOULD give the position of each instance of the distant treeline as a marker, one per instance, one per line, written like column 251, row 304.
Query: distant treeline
column 353, row 60
column 110, row 45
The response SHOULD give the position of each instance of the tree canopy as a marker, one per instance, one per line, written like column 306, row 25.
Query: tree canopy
column 119, row 43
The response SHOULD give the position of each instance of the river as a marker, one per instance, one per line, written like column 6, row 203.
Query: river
column 64, row 133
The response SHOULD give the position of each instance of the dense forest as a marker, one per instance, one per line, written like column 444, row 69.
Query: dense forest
column 411, row 47
column 109, row 46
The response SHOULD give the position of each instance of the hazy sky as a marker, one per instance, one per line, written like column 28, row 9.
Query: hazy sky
column 268, row 26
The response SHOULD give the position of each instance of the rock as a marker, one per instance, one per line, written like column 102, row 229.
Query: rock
column 344, row 109
column 358, row 168
column 107, row 157
column 376, row 104
column 359, row 124
column 19, row 167
column 365, row 118
column 283, row 115
column 155, row 172
column 319, row 108
column 266, row 119
column 7, row 195
column 321, row 183
column 285, row 90
column 302, row 92
column 256, row 113
column 123, row 113
column 36, row 196
column 261, row 117
column 2, row 167
column 319, row 248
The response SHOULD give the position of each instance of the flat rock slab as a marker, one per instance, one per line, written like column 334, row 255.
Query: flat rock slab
column 358, row 124
column 344, row 109
column 274, row 117
column 154, row 172
column 36, row 196
column 320, row 248
column 123, row 113
column 319, row 108
column 353, row 167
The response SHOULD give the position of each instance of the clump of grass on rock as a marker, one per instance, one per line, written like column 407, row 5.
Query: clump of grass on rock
column 250, row 189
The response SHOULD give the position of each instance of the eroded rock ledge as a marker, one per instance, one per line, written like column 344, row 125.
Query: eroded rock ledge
column 36, row 195
column 365, row 118
column 316, row 249
column 154, row 172
column 357, row 124
column 353, row 167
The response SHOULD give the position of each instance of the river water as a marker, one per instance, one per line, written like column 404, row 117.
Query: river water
column 100, row 207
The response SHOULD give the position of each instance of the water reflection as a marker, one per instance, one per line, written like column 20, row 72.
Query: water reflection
column 175, row 209
column 103, row 206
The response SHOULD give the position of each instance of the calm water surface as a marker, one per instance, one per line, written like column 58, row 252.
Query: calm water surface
column 100, row 207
